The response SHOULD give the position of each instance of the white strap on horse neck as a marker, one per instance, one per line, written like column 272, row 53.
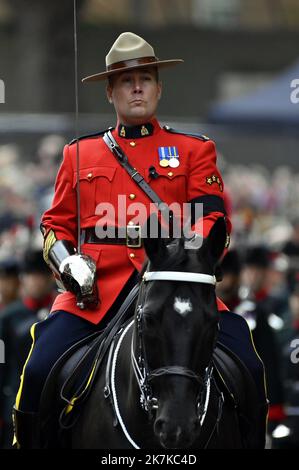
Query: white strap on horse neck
column 113, row 388
column 179, row 276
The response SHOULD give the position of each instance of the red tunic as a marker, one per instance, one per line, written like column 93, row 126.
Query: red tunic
column 102, row 179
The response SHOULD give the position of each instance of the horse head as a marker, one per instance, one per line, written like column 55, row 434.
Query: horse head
column 177, row 325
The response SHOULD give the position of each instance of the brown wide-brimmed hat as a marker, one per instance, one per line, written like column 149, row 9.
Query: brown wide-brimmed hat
column 130, row 52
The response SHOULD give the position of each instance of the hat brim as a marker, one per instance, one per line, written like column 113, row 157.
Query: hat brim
column 160, row 63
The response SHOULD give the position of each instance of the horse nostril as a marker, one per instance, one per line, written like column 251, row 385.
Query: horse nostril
column 195, row 425
column 178, row 433
column 160, row 425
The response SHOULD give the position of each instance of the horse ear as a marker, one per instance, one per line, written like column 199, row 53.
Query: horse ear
column 216, row 240
column 155, row 246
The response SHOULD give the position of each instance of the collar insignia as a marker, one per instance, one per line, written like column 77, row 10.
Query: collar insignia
column 135, row 132
column 144, row 131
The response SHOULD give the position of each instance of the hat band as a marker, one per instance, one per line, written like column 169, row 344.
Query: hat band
column 131, row 63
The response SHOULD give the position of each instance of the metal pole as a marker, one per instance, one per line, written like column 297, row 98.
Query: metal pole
column 76, row 128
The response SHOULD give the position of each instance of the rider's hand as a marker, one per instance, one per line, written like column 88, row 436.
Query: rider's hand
column 78, row 274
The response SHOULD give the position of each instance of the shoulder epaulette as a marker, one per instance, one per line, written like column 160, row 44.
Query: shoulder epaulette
column 190, row 134
column 90, row 136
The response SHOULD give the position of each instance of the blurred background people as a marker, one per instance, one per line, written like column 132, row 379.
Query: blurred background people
column 36, row 297
column 245, row 290
column 291, row 247
column 9, row 293
column 9, row 282
column 288, row 437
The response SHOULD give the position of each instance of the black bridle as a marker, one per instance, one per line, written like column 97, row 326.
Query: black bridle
column 144, row 375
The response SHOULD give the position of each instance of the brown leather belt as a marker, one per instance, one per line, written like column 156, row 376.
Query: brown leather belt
column 129, row 236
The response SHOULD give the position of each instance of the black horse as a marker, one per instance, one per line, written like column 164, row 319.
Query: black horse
column 163, row 384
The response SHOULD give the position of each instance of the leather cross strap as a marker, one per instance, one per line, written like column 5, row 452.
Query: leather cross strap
column 122, row 159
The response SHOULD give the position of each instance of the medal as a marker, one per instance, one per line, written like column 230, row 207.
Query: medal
column 168, row 156
column 164, row 162
column 173, row 162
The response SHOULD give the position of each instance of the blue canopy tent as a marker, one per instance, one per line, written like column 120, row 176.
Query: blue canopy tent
column 270, row 105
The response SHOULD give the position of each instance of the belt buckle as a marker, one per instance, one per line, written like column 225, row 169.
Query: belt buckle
column 133, row 241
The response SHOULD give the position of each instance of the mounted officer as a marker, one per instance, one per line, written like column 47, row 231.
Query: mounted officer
column 164, row 165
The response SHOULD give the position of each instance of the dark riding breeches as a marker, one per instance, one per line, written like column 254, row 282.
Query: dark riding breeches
column 235, row 334
column 53, row 336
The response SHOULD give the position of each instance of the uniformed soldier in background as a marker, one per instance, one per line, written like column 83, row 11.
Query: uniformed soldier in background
column 180, row 168
column 9, row 294
column 34, row 303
